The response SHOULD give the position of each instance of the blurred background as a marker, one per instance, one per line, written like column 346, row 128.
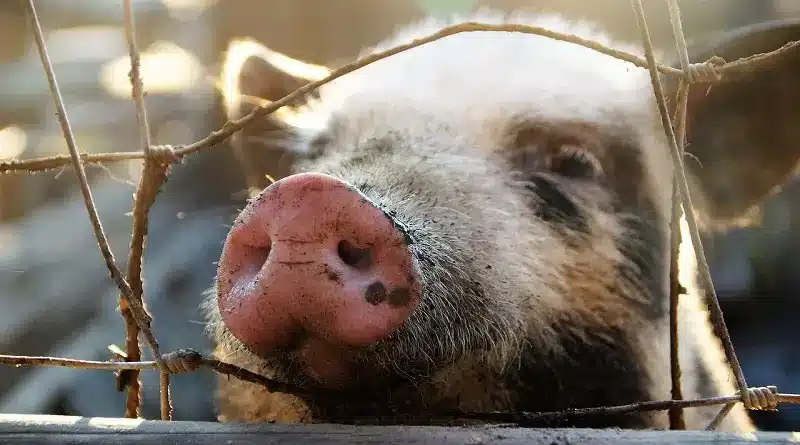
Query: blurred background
column 55, row 294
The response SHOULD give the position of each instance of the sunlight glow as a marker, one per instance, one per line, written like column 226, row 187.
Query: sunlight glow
column 84, row 43
column 13, row 141
column 185, row 10
column 165, row 68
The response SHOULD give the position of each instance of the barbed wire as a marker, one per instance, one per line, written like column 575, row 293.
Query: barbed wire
column 158, row 160
column 188, row 360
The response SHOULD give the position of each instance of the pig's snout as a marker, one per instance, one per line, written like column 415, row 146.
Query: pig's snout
column 311, row 262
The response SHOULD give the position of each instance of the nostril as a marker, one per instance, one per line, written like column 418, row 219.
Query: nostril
column 241, row 275
column 261, row 254
column 254, row 258
column 353, row 256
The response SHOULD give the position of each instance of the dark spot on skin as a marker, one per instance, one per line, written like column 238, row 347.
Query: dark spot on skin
column 332, row 275
column 375, row 293
column 400, row 297
column 555, row 206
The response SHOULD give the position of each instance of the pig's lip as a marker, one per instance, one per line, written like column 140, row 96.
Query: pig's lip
column 327, row 364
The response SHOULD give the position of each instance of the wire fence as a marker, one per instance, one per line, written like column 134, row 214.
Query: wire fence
column 159, row 159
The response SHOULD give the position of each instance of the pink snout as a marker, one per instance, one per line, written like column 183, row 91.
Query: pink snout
column 311, row 265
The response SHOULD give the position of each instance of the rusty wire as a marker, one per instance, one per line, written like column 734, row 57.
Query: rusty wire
column 158, row 160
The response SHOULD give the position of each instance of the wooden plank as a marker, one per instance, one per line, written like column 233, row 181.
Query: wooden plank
column 43, row 429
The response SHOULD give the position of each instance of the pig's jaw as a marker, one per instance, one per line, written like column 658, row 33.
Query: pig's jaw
column 388, row 399
column 421, row 394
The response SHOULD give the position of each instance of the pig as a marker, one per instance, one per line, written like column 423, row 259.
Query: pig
column 482, row 223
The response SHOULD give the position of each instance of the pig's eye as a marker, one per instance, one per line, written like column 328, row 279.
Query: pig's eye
column 566, row 149
column 573, row 162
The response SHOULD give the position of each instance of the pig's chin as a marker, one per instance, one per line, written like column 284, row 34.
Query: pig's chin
column 325, row 365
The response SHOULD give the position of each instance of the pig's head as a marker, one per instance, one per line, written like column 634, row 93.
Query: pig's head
column 480, row 210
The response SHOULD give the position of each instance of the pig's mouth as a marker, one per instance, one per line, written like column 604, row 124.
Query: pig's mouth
column 315, row 364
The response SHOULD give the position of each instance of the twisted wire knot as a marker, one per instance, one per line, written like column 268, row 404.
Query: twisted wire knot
column 761, row 398
column 163, row 154
column 705, row 71
column 182, row 361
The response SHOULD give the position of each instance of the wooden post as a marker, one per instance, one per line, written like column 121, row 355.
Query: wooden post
column 84, row 430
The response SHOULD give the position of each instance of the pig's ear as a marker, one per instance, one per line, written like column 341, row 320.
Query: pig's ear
column 255, row 75
column 743, row 134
